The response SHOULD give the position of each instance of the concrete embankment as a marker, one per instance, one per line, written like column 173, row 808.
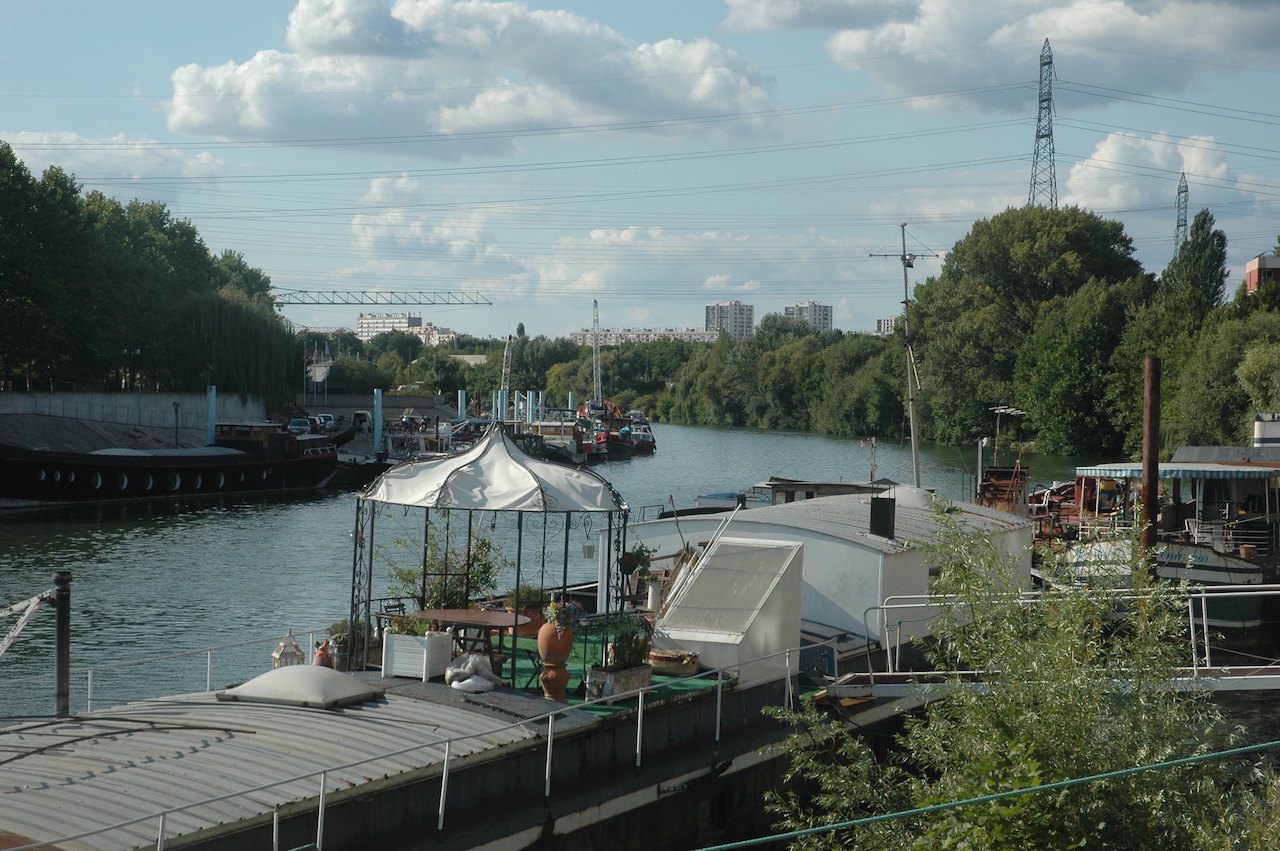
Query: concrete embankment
column 65, row 434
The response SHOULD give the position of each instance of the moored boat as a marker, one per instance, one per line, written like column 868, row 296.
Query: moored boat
column 642, row 439
column 243, row 457
column 1218, row 522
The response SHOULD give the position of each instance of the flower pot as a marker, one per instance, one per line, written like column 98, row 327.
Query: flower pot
column 554, row 646
column 605, row 683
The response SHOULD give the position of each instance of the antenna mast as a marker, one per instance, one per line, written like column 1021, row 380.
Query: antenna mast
column 1044, row 180
column 908, row 261
column 1180, row 232
column 595, row 351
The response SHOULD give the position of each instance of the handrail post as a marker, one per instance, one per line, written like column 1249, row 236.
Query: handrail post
column 444, row 785
column 787, row 690
column 161, row 831
column 719, row 700
column 324, row 776
column 208, row 670
column 639, row 727
column 1204, row 624
column 89, row 698
column 551, row 733
column 62, row 643
column 1191, row 630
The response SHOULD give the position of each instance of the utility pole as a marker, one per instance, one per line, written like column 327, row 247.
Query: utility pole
column 595, row 353
column 908, row 261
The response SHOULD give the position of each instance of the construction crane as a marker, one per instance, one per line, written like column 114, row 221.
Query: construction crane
column 375, row 297
column 595, row 352
column 505, row 387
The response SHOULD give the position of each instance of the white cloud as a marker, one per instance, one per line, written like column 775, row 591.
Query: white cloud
column 1127, row 172
column 357, row 68
column 1093, row 41
column 108, row 159
column 758, row 15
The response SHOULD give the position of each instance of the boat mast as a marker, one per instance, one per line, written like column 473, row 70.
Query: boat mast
column 595, row 351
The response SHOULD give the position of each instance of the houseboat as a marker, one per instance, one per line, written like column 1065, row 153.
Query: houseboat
column 244, row 457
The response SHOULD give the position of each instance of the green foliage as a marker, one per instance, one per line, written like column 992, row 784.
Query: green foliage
column 973, row 319
column 166, row 315
column 1050, row 711
column 631, row 637
column 443, row 577
column 402, row 344
column 356, row 375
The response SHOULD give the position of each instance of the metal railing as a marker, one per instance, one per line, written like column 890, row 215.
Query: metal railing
column 721, row 677
column 1200, row 632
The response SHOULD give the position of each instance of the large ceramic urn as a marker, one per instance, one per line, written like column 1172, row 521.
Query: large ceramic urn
column 554, row 646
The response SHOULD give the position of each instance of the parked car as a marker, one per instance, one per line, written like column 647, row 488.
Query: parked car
column 328, row 422
column 300, row 425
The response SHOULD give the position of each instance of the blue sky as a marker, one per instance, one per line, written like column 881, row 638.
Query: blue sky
column 652, row 156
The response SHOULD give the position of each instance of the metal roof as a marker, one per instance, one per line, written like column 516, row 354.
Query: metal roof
column 848, row 517
column 68, row 776
column 1176, row 470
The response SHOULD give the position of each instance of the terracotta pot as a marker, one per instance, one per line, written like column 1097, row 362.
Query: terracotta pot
column 554, row 649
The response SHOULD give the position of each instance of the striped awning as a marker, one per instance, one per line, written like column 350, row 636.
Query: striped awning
column 1203, row 470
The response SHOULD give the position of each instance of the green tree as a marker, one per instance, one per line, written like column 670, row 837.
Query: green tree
column 1049, row 711
column 406, row 346
column 1210, row 384
column 1064, row 369
column 1168, row 327
column 973, row 318
column 357, row 376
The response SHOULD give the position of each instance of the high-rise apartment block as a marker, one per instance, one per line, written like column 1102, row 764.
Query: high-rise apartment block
column 733, row 317
column 884, row 327
column 816, row 316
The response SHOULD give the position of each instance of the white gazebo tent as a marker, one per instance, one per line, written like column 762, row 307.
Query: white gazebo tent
column 492, row 475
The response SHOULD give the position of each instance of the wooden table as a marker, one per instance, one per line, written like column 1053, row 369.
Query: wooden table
column 473, row 629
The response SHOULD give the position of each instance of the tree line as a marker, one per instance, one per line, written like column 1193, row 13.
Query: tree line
column 97, row 295
column 1043, row 310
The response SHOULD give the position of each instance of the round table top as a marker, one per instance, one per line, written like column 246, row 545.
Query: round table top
column 473, row 617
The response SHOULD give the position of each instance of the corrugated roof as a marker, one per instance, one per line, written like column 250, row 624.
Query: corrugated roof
column 848, row 517
column 68, row 776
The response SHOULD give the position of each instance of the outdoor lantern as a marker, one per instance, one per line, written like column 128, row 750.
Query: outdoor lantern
column 287, row 652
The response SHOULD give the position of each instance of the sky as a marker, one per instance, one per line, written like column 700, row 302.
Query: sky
column 519, row 161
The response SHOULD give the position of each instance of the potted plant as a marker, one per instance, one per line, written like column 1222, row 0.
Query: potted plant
column 628, row 639
column 636, row 560
column 555, row 644
column 527, row 599
column 410, row 648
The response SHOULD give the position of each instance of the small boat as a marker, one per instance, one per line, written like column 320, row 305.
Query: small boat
column 243, row 457
column 642, row 439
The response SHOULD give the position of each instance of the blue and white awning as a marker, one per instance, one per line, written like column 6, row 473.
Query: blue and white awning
column 1133, row 470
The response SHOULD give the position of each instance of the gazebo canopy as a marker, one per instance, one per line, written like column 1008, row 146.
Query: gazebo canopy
column 494, row 475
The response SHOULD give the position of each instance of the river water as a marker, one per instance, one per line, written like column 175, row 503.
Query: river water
column 157, row 578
